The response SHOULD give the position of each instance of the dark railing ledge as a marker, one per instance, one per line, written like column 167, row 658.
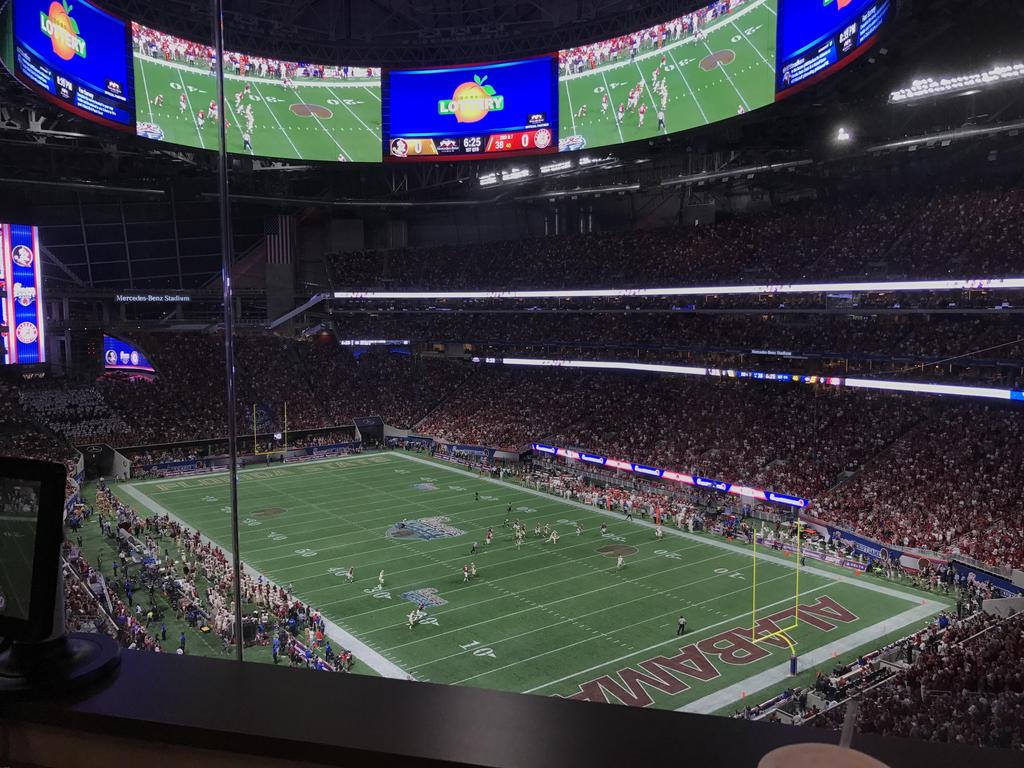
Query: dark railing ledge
column 274, row 715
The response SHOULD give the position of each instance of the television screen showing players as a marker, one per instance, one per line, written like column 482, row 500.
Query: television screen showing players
column 507, row 108
column 817, row 36
column 714, row 63
column 78, row 56
column 21, row 287
column 275, row 108
column 121, row 355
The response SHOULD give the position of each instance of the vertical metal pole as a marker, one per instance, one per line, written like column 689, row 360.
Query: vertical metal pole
column 226, row 249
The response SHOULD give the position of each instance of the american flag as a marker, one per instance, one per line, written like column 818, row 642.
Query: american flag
column 279, row 232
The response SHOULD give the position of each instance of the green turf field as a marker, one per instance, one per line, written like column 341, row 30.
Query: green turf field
column 708, row 80
column 316, row 120
column 552, row 619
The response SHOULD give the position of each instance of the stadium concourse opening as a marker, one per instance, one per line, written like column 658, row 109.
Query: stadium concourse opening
column 450, row 367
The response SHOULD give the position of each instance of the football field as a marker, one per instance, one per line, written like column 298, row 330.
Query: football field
column 731, row 70
column 327, row 120
column 549, row 618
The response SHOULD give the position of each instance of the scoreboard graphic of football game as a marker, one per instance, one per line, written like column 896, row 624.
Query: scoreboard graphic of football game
column 507, row 108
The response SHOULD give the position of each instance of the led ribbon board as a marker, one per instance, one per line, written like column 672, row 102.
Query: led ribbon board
column 22, row 285
column 921, row 388
column 679, row 477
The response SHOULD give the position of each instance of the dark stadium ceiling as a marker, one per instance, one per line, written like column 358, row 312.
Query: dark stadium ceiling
column 396, row 32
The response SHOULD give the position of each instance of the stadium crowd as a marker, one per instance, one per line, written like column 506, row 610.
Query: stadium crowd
column 965, row 686
column 902, row 233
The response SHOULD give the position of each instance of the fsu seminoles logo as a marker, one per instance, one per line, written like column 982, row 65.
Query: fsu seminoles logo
column 472, row 101
column 24, row 294
column 111, row 357
column 426, row 529
column 22, row 256
column 27, row 332
column 62, row 30
column 399, row 148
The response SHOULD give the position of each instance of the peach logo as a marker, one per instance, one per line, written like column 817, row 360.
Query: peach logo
column 62, row 30
column 472, row 101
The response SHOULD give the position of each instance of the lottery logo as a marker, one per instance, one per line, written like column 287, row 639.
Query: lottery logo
column 26, row 332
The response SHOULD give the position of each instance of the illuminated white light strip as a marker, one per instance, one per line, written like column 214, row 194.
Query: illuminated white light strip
column 791, row 378
column 929, row 86
column 971, row 284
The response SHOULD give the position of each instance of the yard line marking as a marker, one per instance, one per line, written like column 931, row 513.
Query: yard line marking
column 274, row 115
column 145, row 87
column 751, row 44
column 374, row 133
column 648, row 649
column 769, row 677
column 572, row 114
column 679, row 71
column 370, row 91
column 615, row 114
column 188, row 101
column 372, row 658
column 728, row 77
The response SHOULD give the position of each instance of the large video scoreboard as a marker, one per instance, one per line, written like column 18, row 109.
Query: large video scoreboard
column 21, row 285
column 482, row 110
column 77, row 55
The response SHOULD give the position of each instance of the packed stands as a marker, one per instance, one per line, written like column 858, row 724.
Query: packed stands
column 950, row 233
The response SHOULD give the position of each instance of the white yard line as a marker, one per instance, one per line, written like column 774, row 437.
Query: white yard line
column 756, row 49
column 686, row 82
column 145, row 87
column 341, row 101
column 281, row 127
column 615, row 113
column 363, row 652
column 572, row 114
column 188, row 101
column 728, row 77
column 726, row 696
